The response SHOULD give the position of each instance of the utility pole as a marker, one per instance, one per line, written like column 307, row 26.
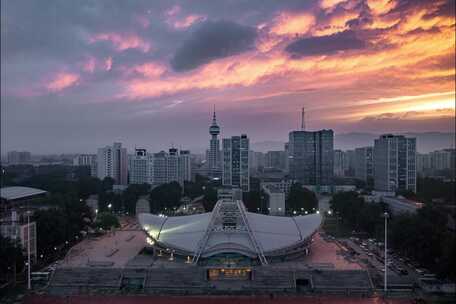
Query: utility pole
column 385, row 288
column 303, row 121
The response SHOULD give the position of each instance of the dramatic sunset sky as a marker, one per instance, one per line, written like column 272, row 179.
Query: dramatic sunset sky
column 77, row 75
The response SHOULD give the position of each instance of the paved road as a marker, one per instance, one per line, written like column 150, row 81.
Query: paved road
column 379, row 266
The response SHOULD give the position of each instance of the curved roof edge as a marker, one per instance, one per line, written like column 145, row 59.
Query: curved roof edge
column 18, row 192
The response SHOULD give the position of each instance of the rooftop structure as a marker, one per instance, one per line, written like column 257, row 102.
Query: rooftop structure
column 18, row 193
column 229, row 228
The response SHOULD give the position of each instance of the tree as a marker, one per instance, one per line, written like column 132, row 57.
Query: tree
column 131, row 195
column 193, row 189
column 210, row 198
column 77, row 214
column 432, row 188
column 300, row 197
column 51, row 227
column 425, row 238
column 165, row 196
column 107, row 184
column 357, row 214
column 253, row 200
column 11, row 256
column 88, row 185
column 107, row 220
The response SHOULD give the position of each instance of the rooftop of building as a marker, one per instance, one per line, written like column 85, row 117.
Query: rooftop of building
column 19, row 192
column 404, row 200
column 272, row 233
column 273, row 189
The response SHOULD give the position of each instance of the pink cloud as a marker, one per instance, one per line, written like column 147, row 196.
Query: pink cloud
column 143, row 21
column 176, row 19
column 108, row 63
column 89, row 65
column 187, row 21
column 62, row 81
column 173, row 11
column 149, row 69
column 122, row 42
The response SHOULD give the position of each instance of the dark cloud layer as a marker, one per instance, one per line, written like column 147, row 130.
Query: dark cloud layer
column 213, row 40
column 325, row 45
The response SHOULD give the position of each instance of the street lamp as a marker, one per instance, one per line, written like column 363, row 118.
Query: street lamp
column 29, row 283
column 386, row 251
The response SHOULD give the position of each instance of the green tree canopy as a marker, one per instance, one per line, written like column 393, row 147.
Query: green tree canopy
column 165, row 196
column 300, row 197
column 107, row 220
column 51, row 227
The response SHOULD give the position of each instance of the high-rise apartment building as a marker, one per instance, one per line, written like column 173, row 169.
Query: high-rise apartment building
column 256, row 160
column 140, row 167
column 88, row 160
column 236, row 162
column 160, row 168
column 350, row 157
column 19, row 157
column 340, row 163
column 173, row 166
column 184, row 166
column 364, row 163
column 423, row 163
column 275, row 159
column 112, row 162
column 311, row 156
column 442, row 159
column 394, row 163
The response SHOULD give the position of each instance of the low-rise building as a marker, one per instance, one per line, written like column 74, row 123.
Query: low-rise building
column 143, row 205
column 230, row 193
column 401, row 205
column 275, row 199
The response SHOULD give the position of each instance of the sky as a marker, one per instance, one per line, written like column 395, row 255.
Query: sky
column 78, row 75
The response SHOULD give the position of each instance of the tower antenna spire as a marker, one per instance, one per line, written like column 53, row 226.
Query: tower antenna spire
column 303, row 119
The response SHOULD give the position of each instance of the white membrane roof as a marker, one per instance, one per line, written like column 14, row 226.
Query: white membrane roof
column 17, row 192
column 271, row 232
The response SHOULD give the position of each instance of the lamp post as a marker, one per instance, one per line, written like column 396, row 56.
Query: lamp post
column 385, row 288
column 29, row 283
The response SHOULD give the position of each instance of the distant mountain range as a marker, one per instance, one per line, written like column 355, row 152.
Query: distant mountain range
column 426, row 142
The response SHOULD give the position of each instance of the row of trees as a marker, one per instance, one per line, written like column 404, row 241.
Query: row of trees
column 61, row 223
column 357, row 214
column 423, row 236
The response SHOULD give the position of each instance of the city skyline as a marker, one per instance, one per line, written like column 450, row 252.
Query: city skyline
column 80, row 80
